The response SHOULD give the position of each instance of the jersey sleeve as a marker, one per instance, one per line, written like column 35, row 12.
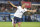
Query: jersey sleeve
column 25, row 9
column 17, row 6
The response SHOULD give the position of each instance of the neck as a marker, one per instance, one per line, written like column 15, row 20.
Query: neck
column 22, row 7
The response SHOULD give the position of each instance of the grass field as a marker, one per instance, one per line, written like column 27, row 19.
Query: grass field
column 24, row 24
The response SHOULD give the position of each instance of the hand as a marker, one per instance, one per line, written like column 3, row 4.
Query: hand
column 8, row 1
column 34, row 11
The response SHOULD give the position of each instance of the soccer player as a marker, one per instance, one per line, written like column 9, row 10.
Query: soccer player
column 18, row 14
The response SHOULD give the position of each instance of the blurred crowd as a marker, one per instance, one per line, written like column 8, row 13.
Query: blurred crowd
column 27, row 16
column 9, row 8
column 6, row 8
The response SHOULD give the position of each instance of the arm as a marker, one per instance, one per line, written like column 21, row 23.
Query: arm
column 12, row 4
column 32, row 10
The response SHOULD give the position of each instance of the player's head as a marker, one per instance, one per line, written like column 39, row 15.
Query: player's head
column 23, row 5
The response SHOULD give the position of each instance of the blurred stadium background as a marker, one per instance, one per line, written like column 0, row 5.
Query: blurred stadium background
column 7, row 11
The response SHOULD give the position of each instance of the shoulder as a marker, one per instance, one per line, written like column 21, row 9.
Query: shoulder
column 25, row 9
column 18, row 6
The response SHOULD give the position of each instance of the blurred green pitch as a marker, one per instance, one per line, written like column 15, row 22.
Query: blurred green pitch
column 24, row 24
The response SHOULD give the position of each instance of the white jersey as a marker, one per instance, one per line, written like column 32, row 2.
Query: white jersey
column 20, row 12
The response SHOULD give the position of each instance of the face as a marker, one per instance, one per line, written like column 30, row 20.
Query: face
column 23, row 5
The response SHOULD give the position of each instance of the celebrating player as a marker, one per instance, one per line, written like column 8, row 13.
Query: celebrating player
column 18, row 14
